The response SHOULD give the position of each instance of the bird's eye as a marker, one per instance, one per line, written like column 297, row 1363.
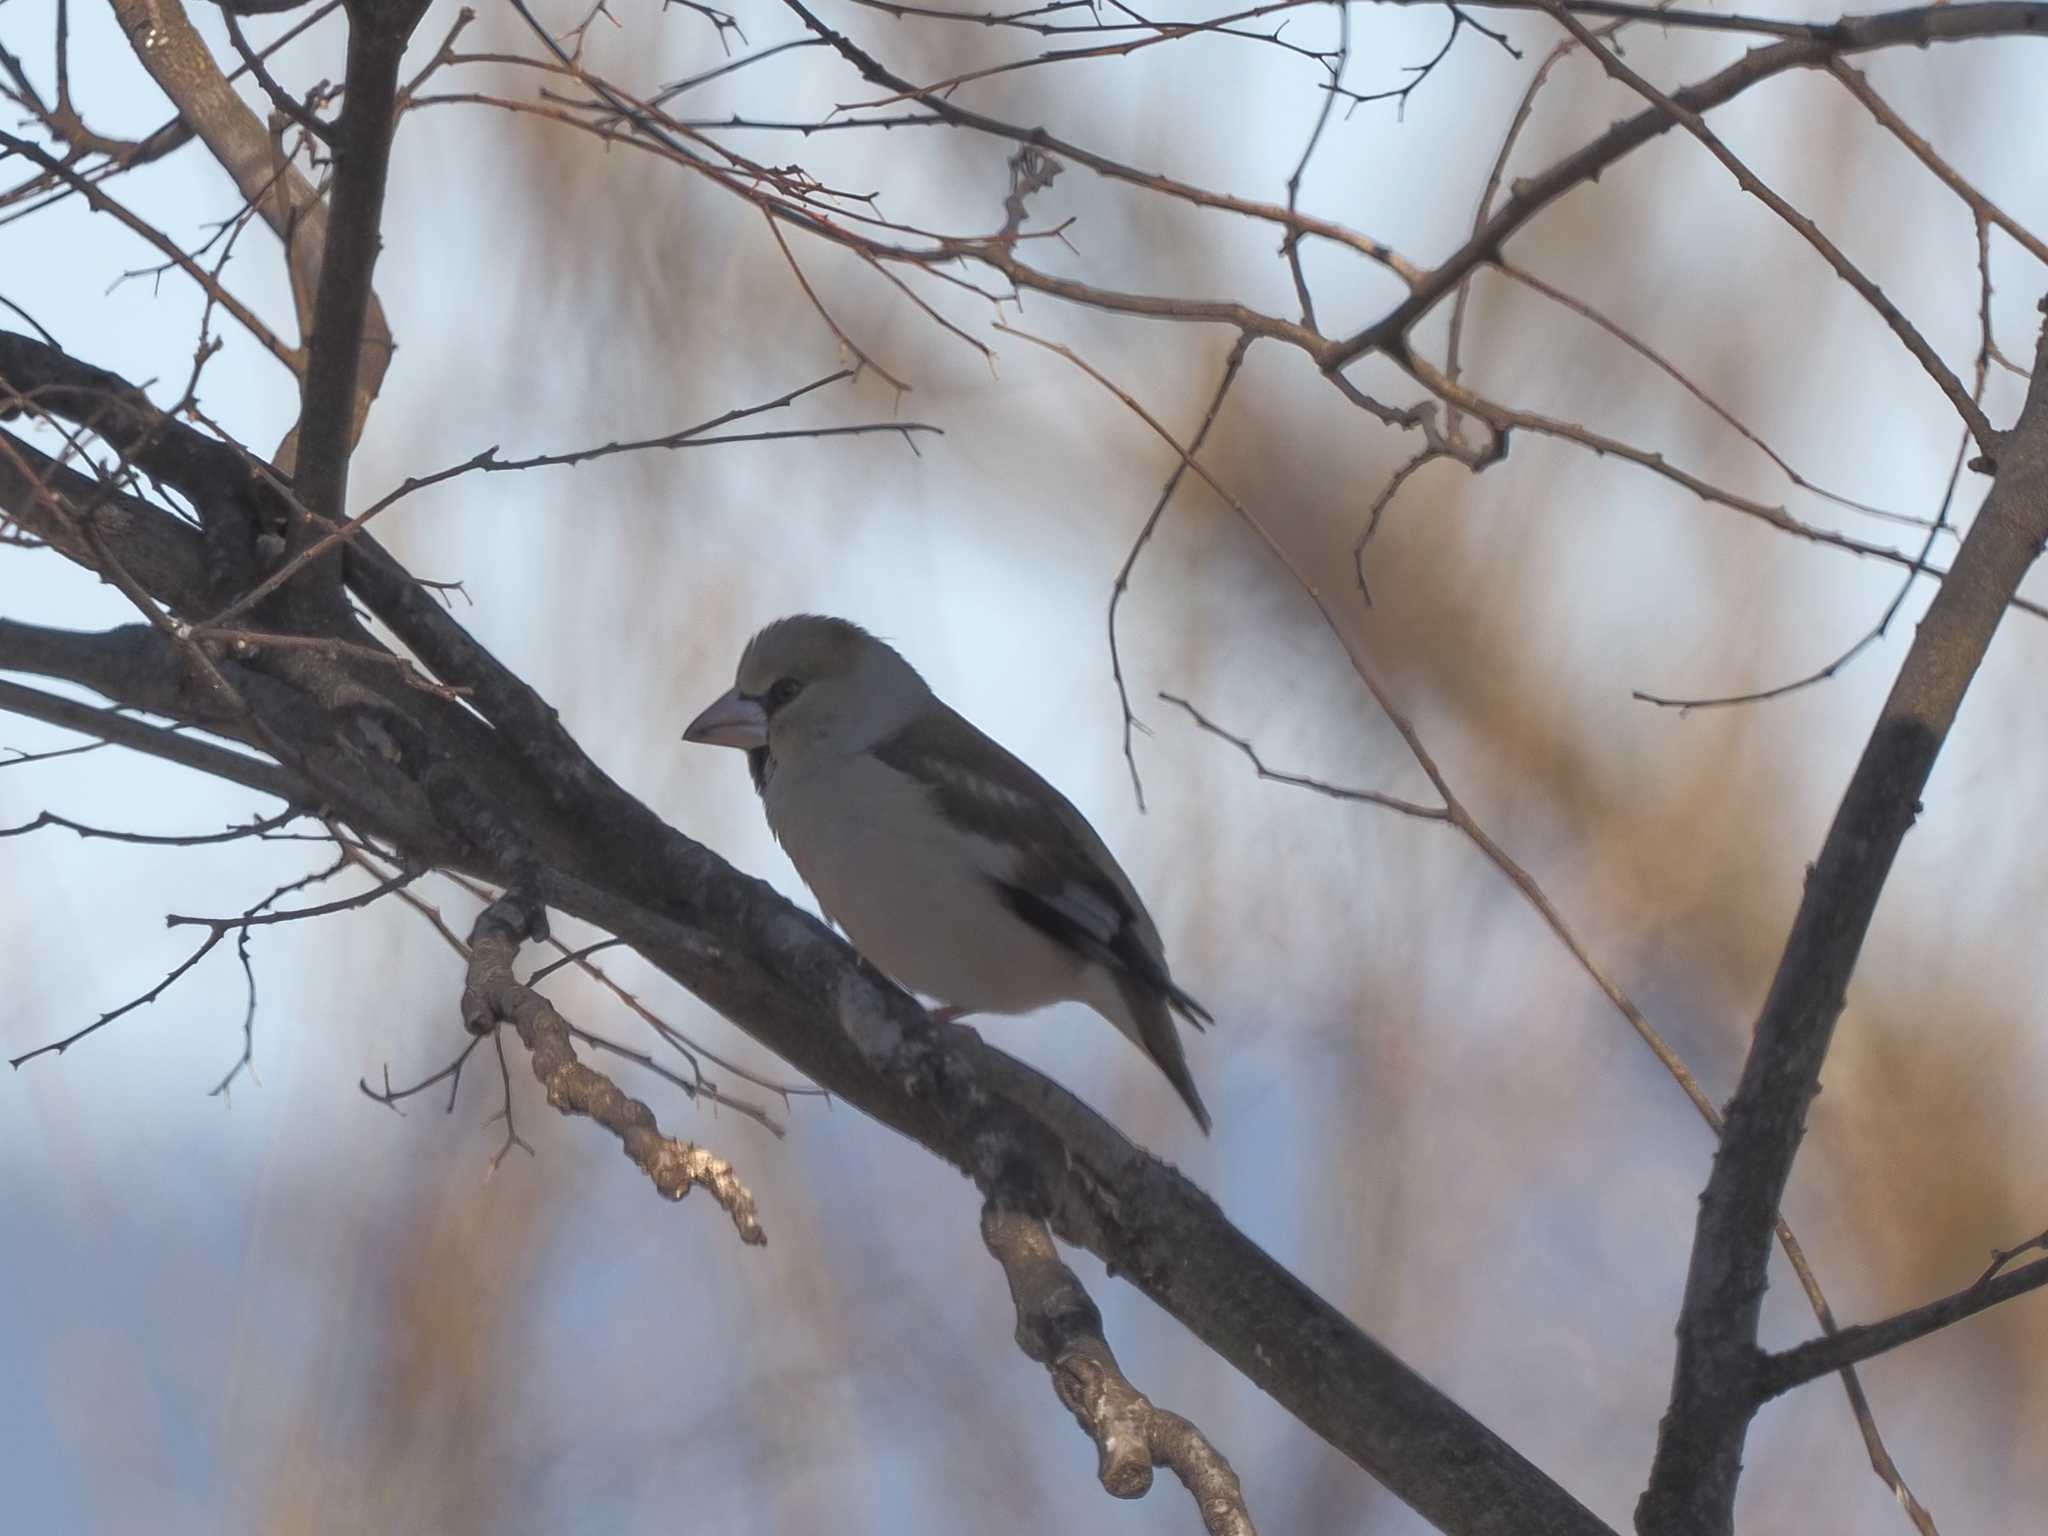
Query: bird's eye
column 785, row 689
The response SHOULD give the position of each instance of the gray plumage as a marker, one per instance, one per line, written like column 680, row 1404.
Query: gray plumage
column 948, row 863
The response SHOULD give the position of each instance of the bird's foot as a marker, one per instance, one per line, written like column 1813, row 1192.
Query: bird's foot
column 947, row 1015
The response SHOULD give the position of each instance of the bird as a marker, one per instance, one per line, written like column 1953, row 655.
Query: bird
column 948, row 863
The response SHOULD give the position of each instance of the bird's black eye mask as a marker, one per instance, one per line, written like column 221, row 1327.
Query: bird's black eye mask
column 759, row 764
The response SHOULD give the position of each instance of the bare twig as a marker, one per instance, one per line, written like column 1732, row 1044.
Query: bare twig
column 512, row 1136
column 253, row 828
column 1422, row 458
column 1231, row 364
column 1869, row 637
column 488, row 462
column 774, row 228
column 59, row 1047
column 1929, row 360
column 1413, row 808
column 245, row 1062
column 2000, row 1257
column 451, row 1074
column 1684, row 381
column 21, row 759
column 256, row 917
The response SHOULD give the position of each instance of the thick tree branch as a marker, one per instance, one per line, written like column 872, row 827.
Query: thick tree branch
column 1714, row 1388
column 377, row 35
column 153, row 740
column 344, row 736
column 38, row 375
column 1059, row 1326
column 778, row 972
column 64, row 508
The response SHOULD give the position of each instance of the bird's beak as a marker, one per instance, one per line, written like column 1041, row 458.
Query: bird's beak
column 733, row 720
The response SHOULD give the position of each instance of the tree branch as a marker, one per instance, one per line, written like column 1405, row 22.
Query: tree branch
column 492, row 993
column 100, row 202
column 1692, row 1483
column 1909, row 337
column 1059, row 1326
column 1853, row 34
column 153, row 740
column 177, row 58
column 328, row 422
column 64, row 508
column 1795, row 1367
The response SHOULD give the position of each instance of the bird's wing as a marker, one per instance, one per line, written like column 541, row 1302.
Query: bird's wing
column 1046, row 861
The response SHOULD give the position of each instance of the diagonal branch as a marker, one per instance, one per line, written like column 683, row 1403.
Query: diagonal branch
column 1857, row 85
column 1692, row 1483
column 1864, row 1341
column 1852, row 34
column 1909, row 336
column 154, row 741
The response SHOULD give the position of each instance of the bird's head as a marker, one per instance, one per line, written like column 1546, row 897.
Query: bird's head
column 809, row 683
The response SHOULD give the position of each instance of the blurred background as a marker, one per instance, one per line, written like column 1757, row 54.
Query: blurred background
column 288, row 1309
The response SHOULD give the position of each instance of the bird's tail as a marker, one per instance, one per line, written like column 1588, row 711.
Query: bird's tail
column 1187, row 1007
column 1160, row 1040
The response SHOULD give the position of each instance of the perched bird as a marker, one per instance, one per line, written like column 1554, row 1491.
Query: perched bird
column 949, row 864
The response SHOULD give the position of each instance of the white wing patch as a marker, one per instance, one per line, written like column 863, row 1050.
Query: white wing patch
column 1088, row 910
column 963, row 780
